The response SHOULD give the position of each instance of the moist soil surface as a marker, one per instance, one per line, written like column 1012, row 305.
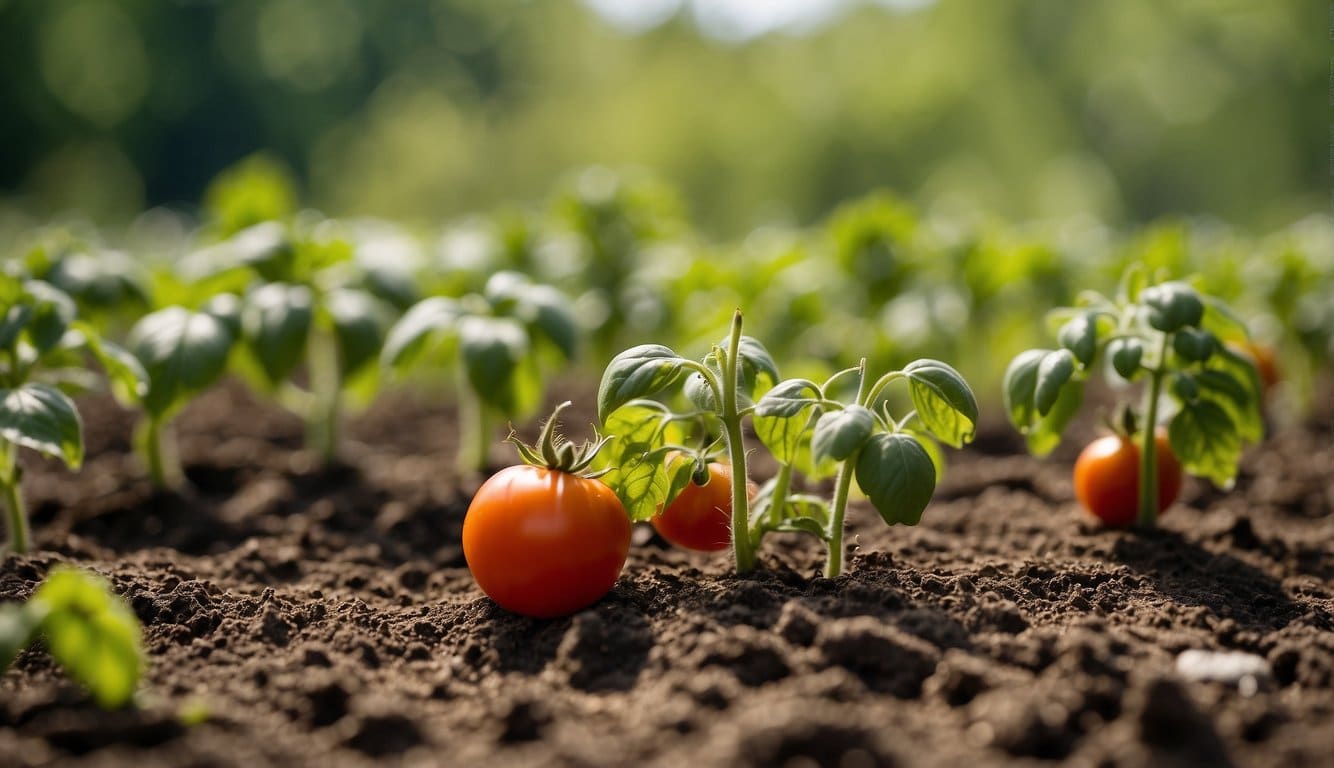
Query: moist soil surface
column 325, row 616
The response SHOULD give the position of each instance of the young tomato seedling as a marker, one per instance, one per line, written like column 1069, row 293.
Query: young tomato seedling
column 43, row 356
column 893, row 460
column 87, row 629
column 1171, row 338
column 504, row 338
column 546, row 538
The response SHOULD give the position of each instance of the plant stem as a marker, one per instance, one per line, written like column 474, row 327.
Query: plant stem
column 325, row 385
column 474, row 429
column 834, row 563
column 742, row 550
column 1148, row 452
column 9, row 485
column 782, row 483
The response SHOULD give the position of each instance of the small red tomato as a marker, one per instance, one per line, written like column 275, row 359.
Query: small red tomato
column 1107, row 478
column 701, row 516
column 545, row 543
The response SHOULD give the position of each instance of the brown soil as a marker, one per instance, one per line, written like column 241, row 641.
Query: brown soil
column 326, row 617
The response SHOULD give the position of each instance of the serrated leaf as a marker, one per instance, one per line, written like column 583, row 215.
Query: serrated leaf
column 897, row 475
column 642, row 478
column 1231, row 381
column 783, row 416
column 1206, row 442
column 943, row 400
column 406, row 339
column 93, row 634
column 43, row 418
column 276, row 323
column 1054, row 373
column 838, row 434
column 360, row 322
column 181, row 352
column 637, row 372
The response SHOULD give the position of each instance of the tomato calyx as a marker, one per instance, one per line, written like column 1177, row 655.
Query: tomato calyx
column 556, row 453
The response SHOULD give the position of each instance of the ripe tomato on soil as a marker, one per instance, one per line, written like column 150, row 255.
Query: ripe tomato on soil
column 1107, row 478
column 545, row 543
column 701, row 516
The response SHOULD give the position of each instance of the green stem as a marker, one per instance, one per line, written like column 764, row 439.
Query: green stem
column 742, row 550
column 834, row 564
column 326, row 388
column 782, row 484
column 474, row 429
column 1148, row 453
column 160, row 453
column 9, row 485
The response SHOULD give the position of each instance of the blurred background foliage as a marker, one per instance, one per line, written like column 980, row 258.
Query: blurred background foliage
column 1119, row 110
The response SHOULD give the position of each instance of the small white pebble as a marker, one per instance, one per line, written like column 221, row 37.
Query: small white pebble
column 1243, row 670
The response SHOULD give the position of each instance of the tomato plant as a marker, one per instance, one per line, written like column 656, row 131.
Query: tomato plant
column 503, row 339
column 1106, row 478
column 44, row 352
column 1168, row 336
column 801, row 422
column 545, row 539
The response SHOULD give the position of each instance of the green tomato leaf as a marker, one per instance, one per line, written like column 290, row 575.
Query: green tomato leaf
column 803, row 513
column 944, row 402
column 897, row 475
column 492, row 350
column 13, row 323
column 1019, row 385
column 637, row 372
column 360, row 322
column 276, row 322
column 1080, row 336
column 1044, row 434
column 409, row 335
column 1221, row 321
column 43, row 418
column 1172, row 306
column 1231, row 381
column 1054, row 373
column 52, row 313
column 783, row 416
column 642, row 478
column 181, row 352
column 758, row 369
column 1194, row 345
column 93, row 634
column 545, row 310
column 838, row 434
column 1126, row 356
column 1206, row 442
column 129, row 380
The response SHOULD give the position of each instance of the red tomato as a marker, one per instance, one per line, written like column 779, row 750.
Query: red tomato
column 545, row 543
column 701, row 516
column 1107, row 478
